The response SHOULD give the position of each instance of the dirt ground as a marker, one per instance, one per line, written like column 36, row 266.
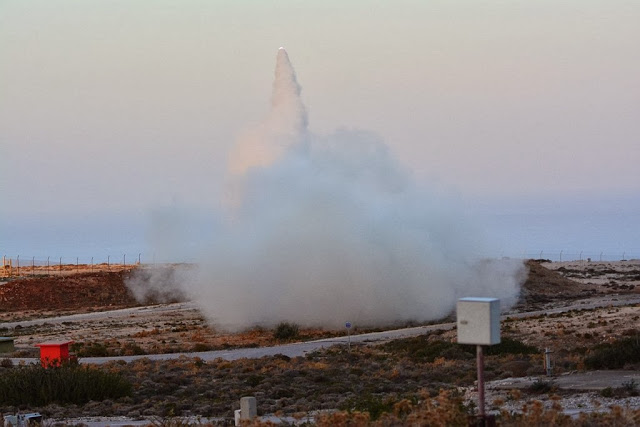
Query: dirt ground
column 44, row 296
column 142, row 332
column 34, row 297
column 181, row 328
column 9, row 271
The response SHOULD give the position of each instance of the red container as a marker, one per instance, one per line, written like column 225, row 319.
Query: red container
column 53, row 353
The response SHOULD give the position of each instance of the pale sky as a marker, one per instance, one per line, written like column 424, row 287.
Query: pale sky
column 121, row 106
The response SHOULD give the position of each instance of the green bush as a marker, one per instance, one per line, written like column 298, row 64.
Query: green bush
column 35, row 385
column 614, row 355
column 606, row 392
column 630, row 387
column 541, row 386
column 286, row 331
column 421, row 349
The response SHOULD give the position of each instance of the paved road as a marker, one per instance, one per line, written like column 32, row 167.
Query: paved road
column 291, row 350
column 592, row 381
column 302, row 348
column 585, row 304
column 101, row 315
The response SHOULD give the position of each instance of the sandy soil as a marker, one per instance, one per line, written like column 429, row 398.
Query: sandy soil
column 53, row 269
column 614, row 275
column 181, row 328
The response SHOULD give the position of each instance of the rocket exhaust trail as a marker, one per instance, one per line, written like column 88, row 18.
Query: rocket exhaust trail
column 286, row 104
column 284, row 127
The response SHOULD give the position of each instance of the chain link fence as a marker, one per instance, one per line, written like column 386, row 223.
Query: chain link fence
column 21, row 266
column 594, row 256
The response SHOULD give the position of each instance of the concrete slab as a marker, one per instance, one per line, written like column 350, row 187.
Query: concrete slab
column 586, row 381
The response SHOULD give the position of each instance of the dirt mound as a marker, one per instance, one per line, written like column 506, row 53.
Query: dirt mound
column 63, row 293
column 544, row 285
column 104, row 289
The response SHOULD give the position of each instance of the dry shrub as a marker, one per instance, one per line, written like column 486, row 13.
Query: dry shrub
column 286, row 331
column 448, row 410
column 614, row 355
column 343, row 419
column 198, row 336
column 147, row 333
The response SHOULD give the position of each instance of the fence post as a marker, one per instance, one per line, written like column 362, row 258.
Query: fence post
column 33, row 266
column 60, row 267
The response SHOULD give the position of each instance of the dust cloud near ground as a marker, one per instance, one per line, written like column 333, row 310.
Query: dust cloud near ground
column 324, row 229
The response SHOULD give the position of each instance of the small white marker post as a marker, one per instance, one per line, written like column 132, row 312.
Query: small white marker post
column 348, row 326
column 547, row 361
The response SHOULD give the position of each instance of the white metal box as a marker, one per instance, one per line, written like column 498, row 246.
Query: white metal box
column 478, row 321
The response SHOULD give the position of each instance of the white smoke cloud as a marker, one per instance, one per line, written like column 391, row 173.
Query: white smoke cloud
column 328, row 229
column 160, row 284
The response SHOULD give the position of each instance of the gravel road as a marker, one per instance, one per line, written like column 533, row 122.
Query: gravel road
column 299, row 348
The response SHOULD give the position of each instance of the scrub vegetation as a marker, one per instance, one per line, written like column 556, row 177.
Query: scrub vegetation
column 423, row 380
column 66, row 384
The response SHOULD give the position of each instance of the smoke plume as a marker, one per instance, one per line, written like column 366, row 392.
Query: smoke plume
column 284, row 129
column 326, row 229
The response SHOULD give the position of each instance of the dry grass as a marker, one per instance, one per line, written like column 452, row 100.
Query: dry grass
column 333, row 378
